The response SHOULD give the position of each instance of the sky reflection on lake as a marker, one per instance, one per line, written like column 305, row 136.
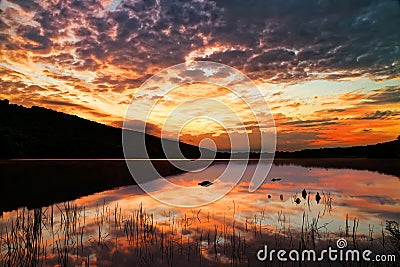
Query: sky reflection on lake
column 369, row 196
column 127, row 227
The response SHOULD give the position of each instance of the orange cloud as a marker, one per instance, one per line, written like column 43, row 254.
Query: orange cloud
column 92, row 65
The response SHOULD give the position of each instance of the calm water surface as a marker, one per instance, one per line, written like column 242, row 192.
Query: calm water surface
column 126, row 227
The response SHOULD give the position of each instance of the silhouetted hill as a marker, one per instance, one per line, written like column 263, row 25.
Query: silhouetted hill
column 43, row 133
column 38, row 132
column 389, row 149
column 381, row 150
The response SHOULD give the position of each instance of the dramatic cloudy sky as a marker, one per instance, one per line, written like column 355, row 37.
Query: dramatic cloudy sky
column 328, row 69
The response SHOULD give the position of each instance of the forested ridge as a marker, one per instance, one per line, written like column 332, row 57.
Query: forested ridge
column 38, row 132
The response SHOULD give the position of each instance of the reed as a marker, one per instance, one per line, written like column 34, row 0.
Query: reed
column 67, row 235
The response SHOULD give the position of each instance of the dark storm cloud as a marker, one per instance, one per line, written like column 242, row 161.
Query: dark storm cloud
column 58, row 59
column 87, row 64
column 82, row 31
column 3, row 37
column 333, row 110
column 64, row 104
column 5, row 72
column 62, row 77
column 33, row 34
column 280, row 41
column 85, row 5
column 56, row 19
column 228, row 57
column 386, row 95
column 134, row 36
column 27, row 5
column 120, row 84
column 311, row 123
column 380, row 115
column 150, row 34
column 11, row 87
column 3, row 25
column 323, row 36
column 193, row 75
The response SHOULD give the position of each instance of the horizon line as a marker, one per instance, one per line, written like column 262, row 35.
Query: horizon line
column 118, row 159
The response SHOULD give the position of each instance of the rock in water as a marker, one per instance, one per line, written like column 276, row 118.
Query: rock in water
column 205, row 183
column 297, row 201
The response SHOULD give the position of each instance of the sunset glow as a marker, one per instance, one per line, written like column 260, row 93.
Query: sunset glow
column 332, row 80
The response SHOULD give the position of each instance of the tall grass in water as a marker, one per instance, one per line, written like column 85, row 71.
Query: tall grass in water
column 22, row 243
column 68, row 235
column 31, row 238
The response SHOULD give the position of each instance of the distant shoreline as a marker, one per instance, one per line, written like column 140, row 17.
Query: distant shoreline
column 34, row 183
column 178, row 159
column 388, row 166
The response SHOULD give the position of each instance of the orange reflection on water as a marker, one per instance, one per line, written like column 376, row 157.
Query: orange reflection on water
column 370, row 196
column 127, row 227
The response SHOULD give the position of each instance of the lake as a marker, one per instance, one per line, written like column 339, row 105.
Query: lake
column 127, row 227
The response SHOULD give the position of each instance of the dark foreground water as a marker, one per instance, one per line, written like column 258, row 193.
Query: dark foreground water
column 126, row 227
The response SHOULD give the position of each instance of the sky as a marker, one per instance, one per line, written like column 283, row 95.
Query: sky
column 329, row 70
